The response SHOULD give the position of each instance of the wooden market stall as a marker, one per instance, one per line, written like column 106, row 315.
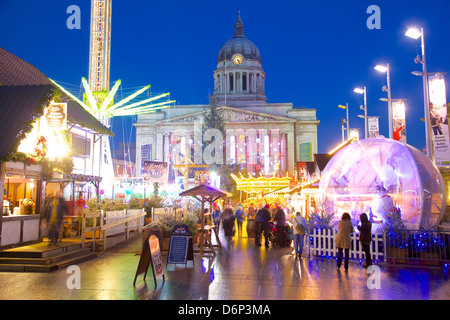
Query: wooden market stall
column 206, row 193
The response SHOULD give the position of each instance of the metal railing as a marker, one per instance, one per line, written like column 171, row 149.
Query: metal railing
column 417, row 247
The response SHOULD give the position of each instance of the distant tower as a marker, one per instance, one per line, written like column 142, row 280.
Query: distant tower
column 100, row 48
column 99, row 71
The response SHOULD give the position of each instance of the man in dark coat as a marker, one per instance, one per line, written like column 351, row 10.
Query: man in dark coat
column 365, row 237
column 228, row 221
column 280, row 218
column 262, row 219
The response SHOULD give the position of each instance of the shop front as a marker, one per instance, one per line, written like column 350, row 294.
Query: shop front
column 21, row 205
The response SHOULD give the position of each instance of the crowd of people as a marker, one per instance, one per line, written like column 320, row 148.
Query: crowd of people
column 277, row 228
column 271, row 223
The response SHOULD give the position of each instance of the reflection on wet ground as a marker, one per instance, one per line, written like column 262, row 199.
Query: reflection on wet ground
column 240, row 271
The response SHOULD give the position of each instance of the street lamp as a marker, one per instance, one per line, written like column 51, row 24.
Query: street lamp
column 364, row 91
column 382, row 68
column 415, row 33
column 348, row 124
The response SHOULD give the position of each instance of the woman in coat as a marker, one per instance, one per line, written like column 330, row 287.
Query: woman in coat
column 365, row 237
column 343, row 239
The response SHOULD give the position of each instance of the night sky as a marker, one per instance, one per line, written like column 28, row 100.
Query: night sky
column 314, row 53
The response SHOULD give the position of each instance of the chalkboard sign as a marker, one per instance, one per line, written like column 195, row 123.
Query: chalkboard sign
column 150, row 254
column 179, row 245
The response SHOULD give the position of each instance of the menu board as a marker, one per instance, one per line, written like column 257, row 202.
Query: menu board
column 179, row 245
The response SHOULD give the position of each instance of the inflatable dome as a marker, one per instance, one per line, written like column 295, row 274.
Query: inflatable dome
column 374, row 175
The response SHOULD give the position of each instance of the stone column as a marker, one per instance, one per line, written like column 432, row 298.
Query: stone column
column 159, row 146
column 291, row 152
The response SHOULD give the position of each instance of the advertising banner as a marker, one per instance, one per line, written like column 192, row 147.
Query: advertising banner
column 156, row 171
column 305, row 151
column 374, row 129
column 399, row 120
column 439, row 120
column 146, row 155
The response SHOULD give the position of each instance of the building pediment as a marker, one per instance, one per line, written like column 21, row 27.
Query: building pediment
column 230, row 115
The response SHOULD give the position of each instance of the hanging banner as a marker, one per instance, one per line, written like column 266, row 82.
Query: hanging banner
column 156, row 171
column 146, row 155
column 374, row 129
column 399, row 120
column 439, row 120
column 305, row 151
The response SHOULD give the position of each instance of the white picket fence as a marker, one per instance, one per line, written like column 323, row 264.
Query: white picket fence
column 322, row 243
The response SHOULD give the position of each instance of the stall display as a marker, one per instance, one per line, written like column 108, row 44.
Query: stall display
column 377, row 175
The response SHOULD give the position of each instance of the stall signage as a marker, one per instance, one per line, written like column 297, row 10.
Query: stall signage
column 55, row 116
column 150, row 254
column 155, row 171
column 179, row 245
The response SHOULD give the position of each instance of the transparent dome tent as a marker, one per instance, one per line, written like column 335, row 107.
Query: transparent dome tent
column 352, row 179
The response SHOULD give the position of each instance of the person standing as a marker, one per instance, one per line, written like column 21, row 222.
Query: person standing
column 262, row 225
column 80, row 205
column 240, row 217
column 251, row 211
column 280, row 219
column 300, row 228
column 56, row 207
column 216, row 216
column 228, row 221
column 343, row 239
column 365, row 237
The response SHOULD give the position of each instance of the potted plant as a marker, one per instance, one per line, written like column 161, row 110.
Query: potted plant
column 166, row 224
column 397, row 237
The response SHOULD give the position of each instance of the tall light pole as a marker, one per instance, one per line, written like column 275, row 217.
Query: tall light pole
column 366, row 126
column 382, row 68
column 416, row 34
column 347, row 121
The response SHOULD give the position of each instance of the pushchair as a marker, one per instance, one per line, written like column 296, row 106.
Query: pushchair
column 273, row 235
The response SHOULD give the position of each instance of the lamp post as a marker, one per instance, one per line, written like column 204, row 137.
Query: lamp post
column 364, row 91
column 416, row 34
column 382, row 68
column 347, row 121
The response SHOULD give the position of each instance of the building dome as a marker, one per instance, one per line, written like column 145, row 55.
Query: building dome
column 239, row 44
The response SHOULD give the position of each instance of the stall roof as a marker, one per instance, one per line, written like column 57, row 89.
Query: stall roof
column 15, row 72
column 205, row 191
column 18, row 107
column 322, row 159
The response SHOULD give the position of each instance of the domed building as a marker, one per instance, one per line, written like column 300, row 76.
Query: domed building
column 261, row 137
column 239, row 77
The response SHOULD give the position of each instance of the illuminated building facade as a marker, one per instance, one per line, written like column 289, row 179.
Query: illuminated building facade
column 261, row 137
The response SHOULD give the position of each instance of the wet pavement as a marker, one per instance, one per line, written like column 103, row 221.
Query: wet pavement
column 240, row 271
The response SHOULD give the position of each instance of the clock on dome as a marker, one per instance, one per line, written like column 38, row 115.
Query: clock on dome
column 238, row 59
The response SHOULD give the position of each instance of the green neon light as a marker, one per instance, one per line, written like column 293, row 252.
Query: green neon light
column 110, row 96
column 146, row 109
column 143, row 101
column 81, row 103
column 134, row 95
column 90, row 96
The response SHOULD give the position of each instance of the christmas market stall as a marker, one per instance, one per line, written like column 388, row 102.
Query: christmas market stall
column 206, row 193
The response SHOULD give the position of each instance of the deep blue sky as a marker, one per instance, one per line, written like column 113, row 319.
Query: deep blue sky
column 313, row 52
